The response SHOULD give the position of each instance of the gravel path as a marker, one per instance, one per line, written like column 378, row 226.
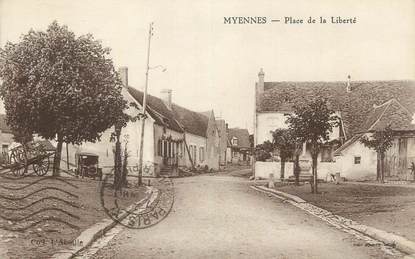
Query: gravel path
column 221, row 217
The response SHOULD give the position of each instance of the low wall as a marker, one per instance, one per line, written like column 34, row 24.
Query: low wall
column 263, row 169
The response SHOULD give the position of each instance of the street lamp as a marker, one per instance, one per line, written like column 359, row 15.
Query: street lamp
column 163, row 68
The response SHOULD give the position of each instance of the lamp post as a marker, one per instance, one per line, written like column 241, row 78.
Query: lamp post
column 143, row 118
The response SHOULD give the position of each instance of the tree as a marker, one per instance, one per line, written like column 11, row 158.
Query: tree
column 284, row 141
column 123, row 118
column 125, row 162
column 298, row 148
column 60, row 86
column 380, row 141
column 311, row 123
column 263, row 151
column 296, row 167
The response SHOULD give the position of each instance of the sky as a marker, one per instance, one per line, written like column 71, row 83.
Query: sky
column 212, row 65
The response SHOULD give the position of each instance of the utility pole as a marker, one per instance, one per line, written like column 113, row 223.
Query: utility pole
column 143, row 118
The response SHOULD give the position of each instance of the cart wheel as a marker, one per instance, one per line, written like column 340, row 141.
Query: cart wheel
column 18, row 171
column 12, row 158
column 20, row 156
column 15, row 165
column 41, row 167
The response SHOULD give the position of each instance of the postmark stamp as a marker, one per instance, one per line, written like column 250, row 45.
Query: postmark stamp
column 138, row 207
column 29, row 202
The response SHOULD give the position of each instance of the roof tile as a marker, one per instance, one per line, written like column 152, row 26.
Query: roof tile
column 354, row 106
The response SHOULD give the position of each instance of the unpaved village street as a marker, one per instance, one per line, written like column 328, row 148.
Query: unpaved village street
column 221, row 217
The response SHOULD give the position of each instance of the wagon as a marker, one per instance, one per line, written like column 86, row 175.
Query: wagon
column 37, row 155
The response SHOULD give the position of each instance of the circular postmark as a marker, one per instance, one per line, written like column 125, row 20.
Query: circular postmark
column 137, row 206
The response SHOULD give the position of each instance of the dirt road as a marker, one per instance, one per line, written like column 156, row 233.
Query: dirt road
column 221, row 217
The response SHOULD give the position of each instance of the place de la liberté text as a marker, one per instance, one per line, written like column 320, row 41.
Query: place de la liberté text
column 289, row 20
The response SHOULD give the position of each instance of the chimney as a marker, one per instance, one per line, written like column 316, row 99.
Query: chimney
column 166, row 97
column 348, row 86
column 260, row 83
column 123, row 71
column 226, row 126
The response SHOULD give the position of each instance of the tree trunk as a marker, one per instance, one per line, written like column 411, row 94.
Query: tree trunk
column 57, row 158
column 377, row 167
column 282, row 171
column 67, row 157
column 297, row 169
column 117, row 165
column 315, row 174
column 382, row 168
column 124, row 168
column 314, row 156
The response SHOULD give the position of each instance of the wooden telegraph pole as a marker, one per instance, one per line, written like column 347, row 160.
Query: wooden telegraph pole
column 143, row 118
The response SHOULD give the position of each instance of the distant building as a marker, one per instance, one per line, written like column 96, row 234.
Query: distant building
column 358, row 104
column 239, row 148
column 223, row 140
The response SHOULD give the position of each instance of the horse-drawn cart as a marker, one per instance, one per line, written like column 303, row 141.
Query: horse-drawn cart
column 36, row 155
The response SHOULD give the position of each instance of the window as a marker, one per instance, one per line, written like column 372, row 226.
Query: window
column 180, row 149
column 357, row 160
column 201, row 154
column 164, row 153
column 4, row 148
column 159, row 147
column 193, row 152
column 169, row 147
column 234, row 141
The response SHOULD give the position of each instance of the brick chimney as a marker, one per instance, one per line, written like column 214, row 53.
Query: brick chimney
column 166, row 97
column 260, row 83
column 123, row 72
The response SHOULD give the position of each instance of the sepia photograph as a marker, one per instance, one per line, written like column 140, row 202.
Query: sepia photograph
column 207, row 129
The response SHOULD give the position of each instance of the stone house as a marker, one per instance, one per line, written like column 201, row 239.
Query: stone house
column 238, row 146
column 352, row 101
column 174, row 136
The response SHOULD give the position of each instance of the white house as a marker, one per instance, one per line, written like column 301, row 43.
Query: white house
column 173, row 137
column 353, row 102
column 358, row 161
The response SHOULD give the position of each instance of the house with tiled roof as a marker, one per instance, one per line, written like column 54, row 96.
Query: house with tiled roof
column 239, row 146
column 174, row 136
column 358, row 161
column 362, row 106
